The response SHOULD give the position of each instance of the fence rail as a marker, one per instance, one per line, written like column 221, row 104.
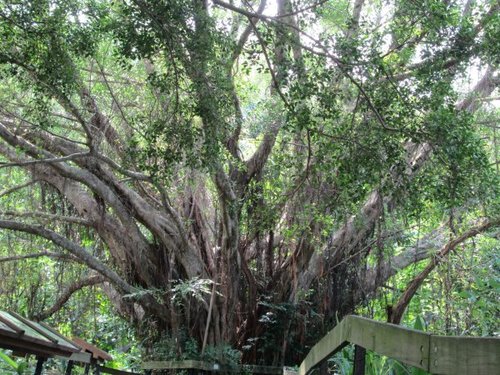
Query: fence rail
column 432, row 353
column 112, row 371
column 210, row 367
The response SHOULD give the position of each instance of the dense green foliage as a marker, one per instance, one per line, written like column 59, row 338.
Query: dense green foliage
column 167, row 161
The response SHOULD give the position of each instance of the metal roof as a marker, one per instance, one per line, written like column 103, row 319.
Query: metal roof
column 24, row 336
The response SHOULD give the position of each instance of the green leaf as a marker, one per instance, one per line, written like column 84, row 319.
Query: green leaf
column 9, row 361
column 419, row 323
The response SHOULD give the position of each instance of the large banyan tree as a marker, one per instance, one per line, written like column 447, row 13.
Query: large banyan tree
column 245, row 172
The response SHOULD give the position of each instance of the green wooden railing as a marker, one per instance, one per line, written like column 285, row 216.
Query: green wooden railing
column 432, row 353
column 208, row 367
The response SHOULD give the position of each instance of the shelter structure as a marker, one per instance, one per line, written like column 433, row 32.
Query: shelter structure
column 26, row 337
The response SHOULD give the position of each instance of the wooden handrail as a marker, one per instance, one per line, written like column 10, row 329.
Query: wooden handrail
column 210, row 367
column 112, row 371
column 432, row 353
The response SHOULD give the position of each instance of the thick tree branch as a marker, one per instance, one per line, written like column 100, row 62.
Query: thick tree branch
column 486, row 85
column 101, row 123
column 346, row 238
column 258, row 160
column 72, row 247
column 146, row 299
column 356, row 15
column 83, row 176
column 123, row 199
column 47, row 160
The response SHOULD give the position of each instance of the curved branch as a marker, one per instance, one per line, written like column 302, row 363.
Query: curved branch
column 120, row 235
column 259, row 158
column 145, row 299
column 68, row 292
column 47, row 160
column 344, row 240
column 84, row 176
column 73, row 248
column 404, row 300
column 127, row 203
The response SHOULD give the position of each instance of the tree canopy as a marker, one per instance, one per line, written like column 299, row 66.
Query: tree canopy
column 244, row 173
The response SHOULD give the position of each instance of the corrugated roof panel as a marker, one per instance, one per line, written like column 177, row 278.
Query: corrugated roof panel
column 28, row 331
column 60, row 339
column 26, row 336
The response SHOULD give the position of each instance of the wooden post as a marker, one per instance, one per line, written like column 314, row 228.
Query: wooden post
column 69, row 368
column 323, row 368
column 359, row 360
column 39, row 366
column 97, row 370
